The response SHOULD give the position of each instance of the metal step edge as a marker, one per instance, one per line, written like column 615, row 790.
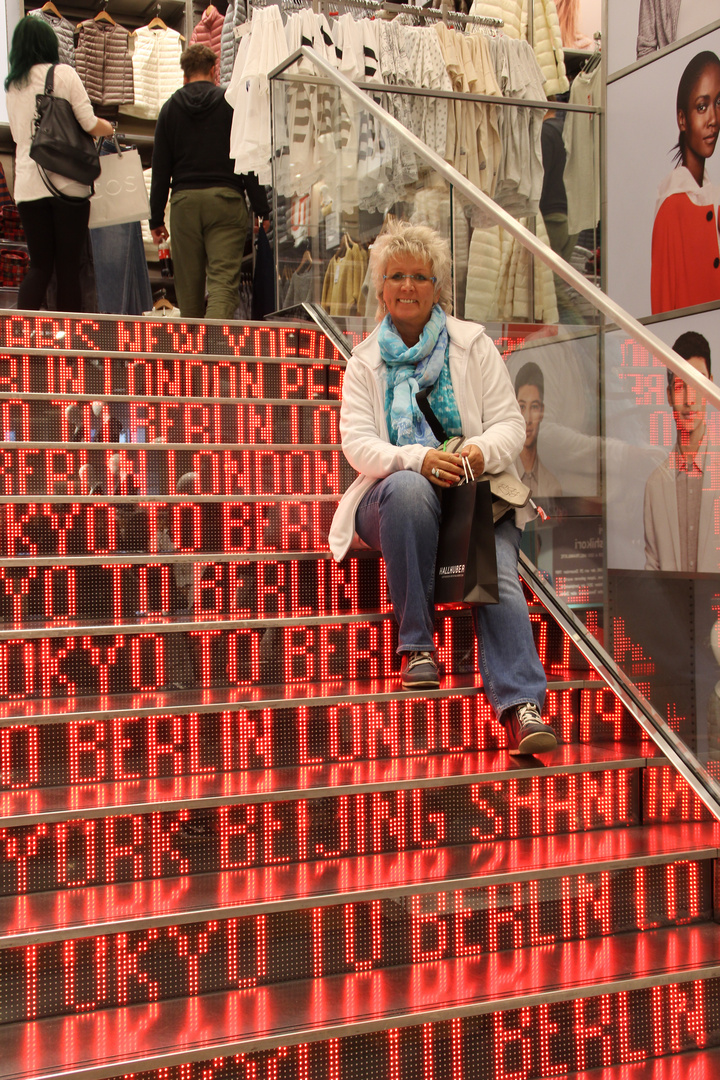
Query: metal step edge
column 162, row 558
column 165, row 500
column 348, row 880
column 160, row 448
column 51, row 350
column 287, row 784
column 181, row 702
column 142, row 1037
column 178, row 624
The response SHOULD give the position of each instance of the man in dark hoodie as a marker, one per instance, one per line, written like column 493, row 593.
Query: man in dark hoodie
column 208, row 211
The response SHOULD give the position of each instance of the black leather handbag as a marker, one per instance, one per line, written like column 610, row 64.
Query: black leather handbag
column 60, row 145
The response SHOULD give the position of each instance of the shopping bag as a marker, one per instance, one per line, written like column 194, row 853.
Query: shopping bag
column 466, row 565
column 120, row 192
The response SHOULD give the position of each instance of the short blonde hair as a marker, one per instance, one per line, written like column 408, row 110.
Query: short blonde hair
column 400, row 238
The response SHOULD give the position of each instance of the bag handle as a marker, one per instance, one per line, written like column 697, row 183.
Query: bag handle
column 426, row 409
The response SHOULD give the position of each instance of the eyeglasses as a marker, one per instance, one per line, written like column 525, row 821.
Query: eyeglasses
column 417, row 279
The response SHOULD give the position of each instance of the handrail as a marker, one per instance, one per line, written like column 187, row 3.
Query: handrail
column 672, row 746
column 599, row 300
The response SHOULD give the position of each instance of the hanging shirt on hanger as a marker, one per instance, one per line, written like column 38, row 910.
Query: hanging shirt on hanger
column 583, row 193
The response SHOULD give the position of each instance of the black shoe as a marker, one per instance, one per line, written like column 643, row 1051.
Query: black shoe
column 419, row 671
column 526, row 731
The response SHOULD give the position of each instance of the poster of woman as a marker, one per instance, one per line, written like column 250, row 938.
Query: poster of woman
column 685, row 243
column 663, row 181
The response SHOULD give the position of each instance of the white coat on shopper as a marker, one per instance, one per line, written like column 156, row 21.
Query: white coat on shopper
column 485, row 398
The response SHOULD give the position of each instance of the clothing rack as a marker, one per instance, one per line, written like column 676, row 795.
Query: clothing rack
column 387, row 6
column 435, row 13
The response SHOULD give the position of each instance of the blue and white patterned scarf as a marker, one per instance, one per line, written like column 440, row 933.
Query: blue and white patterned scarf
column 412, row 369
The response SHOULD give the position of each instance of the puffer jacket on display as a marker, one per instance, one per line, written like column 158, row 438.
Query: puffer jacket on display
column 102, row 60
column 156, row 70
column 514, row 14
column 209, row 32
column 548, row 46
column 235, row 15
column 498, row 281
column 547, row 39
column 65, row 32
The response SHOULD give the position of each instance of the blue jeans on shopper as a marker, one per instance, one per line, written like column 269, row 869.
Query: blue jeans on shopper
column 400, row 516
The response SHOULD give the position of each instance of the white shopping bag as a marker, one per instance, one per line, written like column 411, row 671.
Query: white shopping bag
column 120, row 192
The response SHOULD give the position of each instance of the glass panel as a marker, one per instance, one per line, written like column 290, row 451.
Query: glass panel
column 341, row 173
column 608, row 437
column 663, row 524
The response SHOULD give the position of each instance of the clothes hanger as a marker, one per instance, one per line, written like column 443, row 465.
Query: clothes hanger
column 306, row 260
column 51, row 8
column 162, row 303
column 103, row 16
column 156, row 23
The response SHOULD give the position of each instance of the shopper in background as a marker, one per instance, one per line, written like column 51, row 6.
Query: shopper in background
column 685, row 266
column 208, row 212
column 56, row 230
column 395, row 504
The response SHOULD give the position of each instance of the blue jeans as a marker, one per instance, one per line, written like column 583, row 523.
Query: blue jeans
column 400, row 516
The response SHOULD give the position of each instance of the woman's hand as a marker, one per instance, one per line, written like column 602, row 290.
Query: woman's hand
column 475, row 459
column 102, row 127
column 449, row 467
column 442, row 469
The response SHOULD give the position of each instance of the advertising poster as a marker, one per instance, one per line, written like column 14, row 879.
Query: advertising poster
column 639, row 28
column 556, row 385
column 663, row 246
column 662, row 453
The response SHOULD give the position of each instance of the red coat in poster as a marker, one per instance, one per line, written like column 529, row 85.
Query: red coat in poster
column 685, row 244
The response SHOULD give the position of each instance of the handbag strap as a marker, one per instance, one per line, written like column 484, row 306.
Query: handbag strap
column 50, row 80
column 426, row 409
column 77, row 199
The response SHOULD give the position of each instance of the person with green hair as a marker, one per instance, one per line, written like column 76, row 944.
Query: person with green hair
column 55, row 229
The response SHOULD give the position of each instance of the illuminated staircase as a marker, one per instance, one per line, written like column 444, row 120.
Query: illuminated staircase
column 232, row 846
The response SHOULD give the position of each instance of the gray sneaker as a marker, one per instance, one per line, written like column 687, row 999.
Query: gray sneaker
column 527, row 732
column 418, row 671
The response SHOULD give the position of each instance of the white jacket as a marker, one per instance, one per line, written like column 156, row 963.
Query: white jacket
column 489, row 412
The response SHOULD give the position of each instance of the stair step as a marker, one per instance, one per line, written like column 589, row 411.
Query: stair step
column 188, row 344
column 268, row 728
column 158, row 653
column 544, row 983
column 189, row 825
column 691, row 1065
column 86, row 912
column 314, row 782
column 107, row 707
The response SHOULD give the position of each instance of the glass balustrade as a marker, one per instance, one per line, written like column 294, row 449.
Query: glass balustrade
column 620, row 452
